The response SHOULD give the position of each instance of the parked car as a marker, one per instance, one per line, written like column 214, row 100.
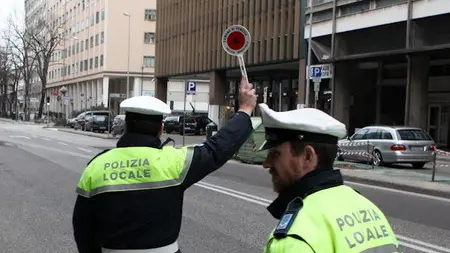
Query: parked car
column 194, row 124
column 172, row 124
column 118, row 126
column 71, row 122
column 391, row 144
column 98, row 123
column 84, row 117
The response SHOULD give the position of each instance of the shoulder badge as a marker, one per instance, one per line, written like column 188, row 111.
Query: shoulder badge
column 288, row 218
column 101, row 153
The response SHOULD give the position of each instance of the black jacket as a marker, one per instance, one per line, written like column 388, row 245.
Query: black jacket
column 151, row 218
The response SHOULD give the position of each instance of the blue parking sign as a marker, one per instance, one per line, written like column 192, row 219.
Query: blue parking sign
column 316, row 71
column 191, row 87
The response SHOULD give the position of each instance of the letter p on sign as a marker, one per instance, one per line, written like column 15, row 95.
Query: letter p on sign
column 191, row 87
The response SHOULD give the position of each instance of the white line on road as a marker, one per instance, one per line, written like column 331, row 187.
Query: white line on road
column 19, row 136
column 85, row 150
column 423, row 243
column 265, row 202
column 62, row 143
column 45, row 139
column 398, row 191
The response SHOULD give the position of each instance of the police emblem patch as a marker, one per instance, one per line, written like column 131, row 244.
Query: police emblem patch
column 284, row 222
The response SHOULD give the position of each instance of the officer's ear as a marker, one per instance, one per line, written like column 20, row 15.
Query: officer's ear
column 310, row 155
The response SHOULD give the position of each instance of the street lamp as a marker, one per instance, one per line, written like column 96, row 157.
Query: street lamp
column 129, row 36
column 63, row 90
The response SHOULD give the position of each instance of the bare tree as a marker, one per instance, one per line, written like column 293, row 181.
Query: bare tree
column 45, row 41
column 20, row 39
column 4, row 80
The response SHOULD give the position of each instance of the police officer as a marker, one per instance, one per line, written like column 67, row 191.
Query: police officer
column 130, row 197
column 316, row 211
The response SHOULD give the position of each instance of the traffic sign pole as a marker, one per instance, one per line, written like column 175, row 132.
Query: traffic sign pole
column 236, row 40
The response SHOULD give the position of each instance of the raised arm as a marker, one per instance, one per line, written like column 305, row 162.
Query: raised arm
column 216, row 151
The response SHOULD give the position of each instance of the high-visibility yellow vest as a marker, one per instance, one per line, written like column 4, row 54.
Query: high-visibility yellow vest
column 135, row 168
column 334, row 220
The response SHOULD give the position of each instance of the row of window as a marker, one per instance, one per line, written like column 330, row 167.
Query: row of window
column 80, row 46
column 351, row 9
column 93, row 63
column 150, row 15
column 81, row 66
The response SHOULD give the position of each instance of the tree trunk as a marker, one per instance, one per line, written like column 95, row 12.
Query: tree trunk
column 41, row 103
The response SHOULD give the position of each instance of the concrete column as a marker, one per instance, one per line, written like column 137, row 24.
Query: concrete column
column 98, row 86
column 218, row 88
column 417, row 104
column 105, row 91
column 378, row 94
column 341, row 98
column 301, row 82
column 161, row 89
column 137, row 86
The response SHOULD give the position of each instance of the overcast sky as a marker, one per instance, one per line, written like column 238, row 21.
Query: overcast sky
column 7, row 8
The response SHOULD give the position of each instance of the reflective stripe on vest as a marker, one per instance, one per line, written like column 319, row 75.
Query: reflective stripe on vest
column 339, row 220
column 135, row 168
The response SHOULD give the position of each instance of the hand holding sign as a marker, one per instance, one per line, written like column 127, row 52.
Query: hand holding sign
column 236, row 41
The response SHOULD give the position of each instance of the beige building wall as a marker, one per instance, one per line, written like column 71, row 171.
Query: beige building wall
column 92, row 61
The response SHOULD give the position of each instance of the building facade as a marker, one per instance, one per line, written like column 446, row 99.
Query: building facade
column 189, row 47
column 107, row 45
column 391, row 61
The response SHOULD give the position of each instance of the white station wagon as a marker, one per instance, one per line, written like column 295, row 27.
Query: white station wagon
column 387, row 145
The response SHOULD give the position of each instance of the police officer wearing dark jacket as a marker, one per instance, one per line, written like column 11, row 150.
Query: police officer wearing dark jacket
column 316, row 211
column 130, row 198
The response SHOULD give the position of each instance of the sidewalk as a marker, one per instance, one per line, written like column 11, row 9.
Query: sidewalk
column 397, row 179
column 86, row 133
column 20, row 121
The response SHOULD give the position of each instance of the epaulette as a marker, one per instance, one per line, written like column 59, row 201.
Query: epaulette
column 288, row 218
column 101, row 153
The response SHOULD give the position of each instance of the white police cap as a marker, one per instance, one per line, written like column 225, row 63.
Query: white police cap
column 307, row 124
column 145, row 105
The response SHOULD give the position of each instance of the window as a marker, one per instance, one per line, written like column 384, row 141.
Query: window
column 92, row 41
column 97, row 17
column 413, row 135
column 150, row 14
column 373, row 134
column 385, row 135
column 82, row 45
column 101, row 60
column 96, row 39
column 81, row 66
column 96, row 62
column 91, row 63
column 149, row 61
column 86, row 65
column 103, row 14
column 87, row 44
column 149, row 38
column 102, row 38
column 359, row 135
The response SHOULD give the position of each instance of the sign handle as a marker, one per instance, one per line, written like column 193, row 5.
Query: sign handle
column 242, row 66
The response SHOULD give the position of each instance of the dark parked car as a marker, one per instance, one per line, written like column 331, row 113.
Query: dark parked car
column 118, row 126
column 172, row 124
column 84, row 117
column 194, row 124
column 98, row 123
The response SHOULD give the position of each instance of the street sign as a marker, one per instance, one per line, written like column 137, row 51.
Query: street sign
column 236, row 40
column 322, row 71
column 117, row 95
column 317, row 86
column 191, row 87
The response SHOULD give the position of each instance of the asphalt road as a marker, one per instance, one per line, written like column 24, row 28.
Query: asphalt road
column 39, row 169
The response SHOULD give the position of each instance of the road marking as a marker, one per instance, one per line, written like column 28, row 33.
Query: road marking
column 399, row 191
column 423, row 243
column 45, row 139
column 19, row 136
column 85, row 150
column 62, row 143
column 265, row 202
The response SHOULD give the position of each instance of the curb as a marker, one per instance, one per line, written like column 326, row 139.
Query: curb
column 398, row 186
column 87, row 134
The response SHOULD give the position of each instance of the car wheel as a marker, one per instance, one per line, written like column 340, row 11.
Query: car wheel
column 377, row 159
column 418, row 165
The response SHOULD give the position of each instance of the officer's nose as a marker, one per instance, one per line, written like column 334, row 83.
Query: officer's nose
column 267, row 164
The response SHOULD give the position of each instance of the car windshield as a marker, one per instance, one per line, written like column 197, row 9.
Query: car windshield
column 171, row 118
column 413, row 135
column 100, row 118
